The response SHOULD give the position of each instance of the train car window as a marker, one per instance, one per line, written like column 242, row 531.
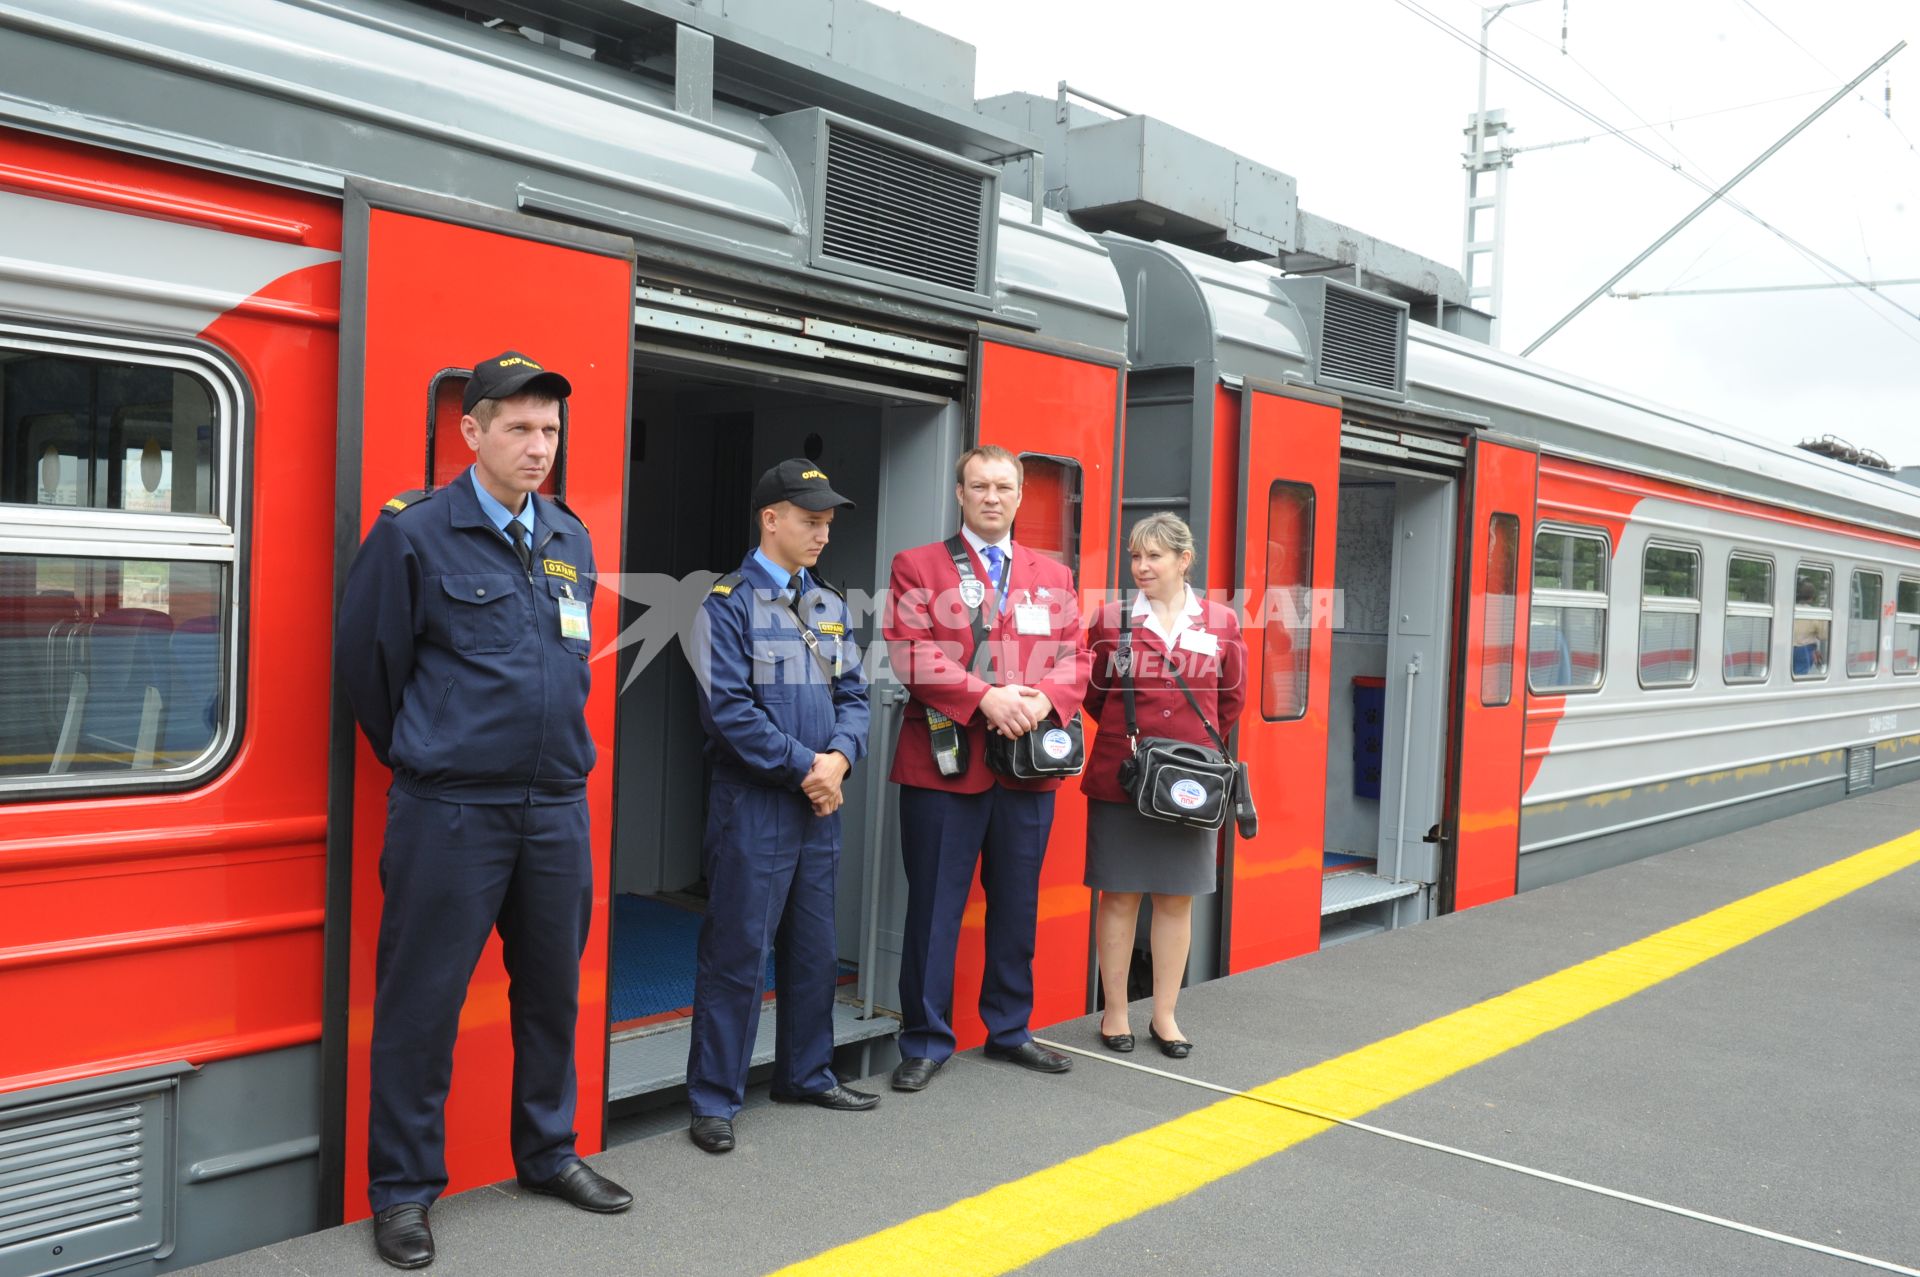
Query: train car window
column 1669, row 615
column 1812, row 620
column 1287, row 612
column 1863, row 624
column 1049, row 520
column 1906, row 627
column 1747, row 639
column 1503, row 570
column 118, row 558
column 1567, row 632
column 105, row 434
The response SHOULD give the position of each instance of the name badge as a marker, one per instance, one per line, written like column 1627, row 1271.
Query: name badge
column 1032, row 618
column 1200, row 642
column 573, row 619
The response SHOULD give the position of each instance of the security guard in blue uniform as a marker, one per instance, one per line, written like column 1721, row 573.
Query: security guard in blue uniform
column 784, row 702
column 463, row 645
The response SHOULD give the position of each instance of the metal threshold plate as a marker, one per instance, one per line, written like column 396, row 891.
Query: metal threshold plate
column 653, row 1061
column 1353, row 890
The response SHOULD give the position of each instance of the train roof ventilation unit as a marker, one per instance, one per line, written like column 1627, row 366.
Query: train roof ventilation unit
column 890, row 210
column 1357, row 339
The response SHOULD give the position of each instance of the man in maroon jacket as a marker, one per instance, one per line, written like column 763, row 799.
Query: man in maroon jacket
column 954, row 812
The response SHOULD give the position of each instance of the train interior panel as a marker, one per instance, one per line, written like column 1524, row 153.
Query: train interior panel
column 1386, row 708
column 699, row 441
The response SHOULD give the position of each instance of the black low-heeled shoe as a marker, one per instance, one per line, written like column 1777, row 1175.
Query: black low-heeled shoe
column 1121, row 1042
column 1173, row 1048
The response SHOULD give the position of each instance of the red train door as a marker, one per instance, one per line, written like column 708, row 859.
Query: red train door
column 1483, row 846
column 428, row 286
column 1062, row 417
column 1289, row 488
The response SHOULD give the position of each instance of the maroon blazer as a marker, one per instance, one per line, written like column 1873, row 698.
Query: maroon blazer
column 1219, row 683
column 930, row 642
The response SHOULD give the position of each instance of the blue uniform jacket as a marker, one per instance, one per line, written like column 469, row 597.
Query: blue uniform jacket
column 451, row 655
column 767, row 703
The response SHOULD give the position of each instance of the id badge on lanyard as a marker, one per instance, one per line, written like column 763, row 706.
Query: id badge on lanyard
column 573, row 616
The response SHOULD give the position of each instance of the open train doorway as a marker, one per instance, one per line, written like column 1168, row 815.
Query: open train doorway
column 1386, row 747
column 699, row 439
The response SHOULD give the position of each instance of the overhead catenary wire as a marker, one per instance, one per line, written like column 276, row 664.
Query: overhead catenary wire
column 1831, row 268
column 1712, row 199
column 1450, row 1150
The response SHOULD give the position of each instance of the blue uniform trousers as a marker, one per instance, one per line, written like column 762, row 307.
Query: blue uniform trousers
column 770, row 865
column 452, row 873
column 942, row 836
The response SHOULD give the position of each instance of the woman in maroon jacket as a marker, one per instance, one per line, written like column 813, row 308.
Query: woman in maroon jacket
column 1128, row 854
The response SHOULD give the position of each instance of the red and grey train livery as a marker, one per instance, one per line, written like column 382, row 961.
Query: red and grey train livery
column 1508, row 626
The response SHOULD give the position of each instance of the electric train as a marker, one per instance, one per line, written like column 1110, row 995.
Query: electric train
column 1509, row 626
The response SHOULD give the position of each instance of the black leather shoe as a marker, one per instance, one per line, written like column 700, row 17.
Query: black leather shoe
column 841, row 1099
column 1121, row 1042
column 401, row 1235
column 1176, row 1048
column 914, row 1072
column 714, row 1134
column 1031, row 1055
column 580, row 1185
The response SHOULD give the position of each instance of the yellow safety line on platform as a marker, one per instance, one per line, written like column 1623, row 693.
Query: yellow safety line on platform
column 1020, row 1221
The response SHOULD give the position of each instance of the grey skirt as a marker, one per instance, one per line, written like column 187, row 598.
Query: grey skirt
column 1130, row 852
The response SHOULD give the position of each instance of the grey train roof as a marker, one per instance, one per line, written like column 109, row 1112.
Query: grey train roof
column 313, row 92
column 1190, row 308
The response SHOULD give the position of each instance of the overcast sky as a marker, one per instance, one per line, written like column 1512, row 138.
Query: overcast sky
column 1362, row 102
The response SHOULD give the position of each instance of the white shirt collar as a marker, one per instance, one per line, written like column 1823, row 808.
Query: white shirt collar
column 1143, row 610
column 973, row 539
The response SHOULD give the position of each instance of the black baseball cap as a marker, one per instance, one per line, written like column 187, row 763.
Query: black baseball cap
column 800, row 481
column 511, row 373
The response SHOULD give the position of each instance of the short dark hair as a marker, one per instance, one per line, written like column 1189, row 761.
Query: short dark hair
column 988, row 452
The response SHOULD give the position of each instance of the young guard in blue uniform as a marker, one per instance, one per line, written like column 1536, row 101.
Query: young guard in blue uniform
column 463, row 651
column 784, row 702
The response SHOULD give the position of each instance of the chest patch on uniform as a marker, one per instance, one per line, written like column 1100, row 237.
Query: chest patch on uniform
column 564, row 571
column 832, row 627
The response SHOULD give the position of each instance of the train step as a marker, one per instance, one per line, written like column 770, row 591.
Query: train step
column 644, row 1061
column 1356, row 890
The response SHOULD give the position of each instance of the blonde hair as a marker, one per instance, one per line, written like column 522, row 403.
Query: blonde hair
column 1169, row 531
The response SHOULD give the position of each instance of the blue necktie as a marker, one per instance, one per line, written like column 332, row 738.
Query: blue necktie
column 994, row 559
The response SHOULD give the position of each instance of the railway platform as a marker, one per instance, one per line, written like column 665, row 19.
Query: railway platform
column 1700, row 1063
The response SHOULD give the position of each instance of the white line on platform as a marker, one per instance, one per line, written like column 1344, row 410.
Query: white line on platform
column 1751, row 1230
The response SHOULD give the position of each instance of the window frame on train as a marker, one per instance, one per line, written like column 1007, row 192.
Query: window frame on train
column 1503, row 568
column 1906, row 626
column 97, row 543
column 1659, row 605
column 1871, row 615
column 1561, row 599
column 1294, row 623
column 1816, row 614
column 1748, row 609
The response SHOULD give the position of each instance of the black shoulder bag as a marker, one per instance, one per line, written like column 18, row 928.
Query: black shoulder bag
column 1051, row 751
column 1176, row 780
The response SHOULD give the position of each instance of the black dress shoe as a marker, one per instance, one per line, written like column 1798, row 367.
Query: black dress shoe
column 841, row 1099
column 1031, row 1055
column 580, row 1185
column 401, row 1235
column 1176, row 1048
column 914, row 1072
column 1121, row 1042
column 714, row 1134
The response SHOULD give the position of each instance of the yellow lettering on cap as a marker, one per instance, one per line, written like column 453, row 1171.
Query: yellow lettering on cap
column 555, row 567
column 812, row 474
column 508, row 363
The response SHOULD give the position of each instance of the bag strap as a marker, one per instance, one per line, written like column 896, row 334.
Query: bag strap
column 789, row 597
column 1126, row 690
column 1125, row 662
column 962, row 557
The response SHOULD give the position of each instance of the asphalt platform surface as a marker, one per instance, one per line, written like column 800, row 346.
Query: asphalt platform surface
column 1774, row 1085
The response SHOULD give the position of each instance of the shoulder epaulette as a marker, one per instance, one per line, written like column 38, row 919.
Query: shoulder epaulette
column 827, row 585
column 395, row 505
column 564, row 506
column 726, row 585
